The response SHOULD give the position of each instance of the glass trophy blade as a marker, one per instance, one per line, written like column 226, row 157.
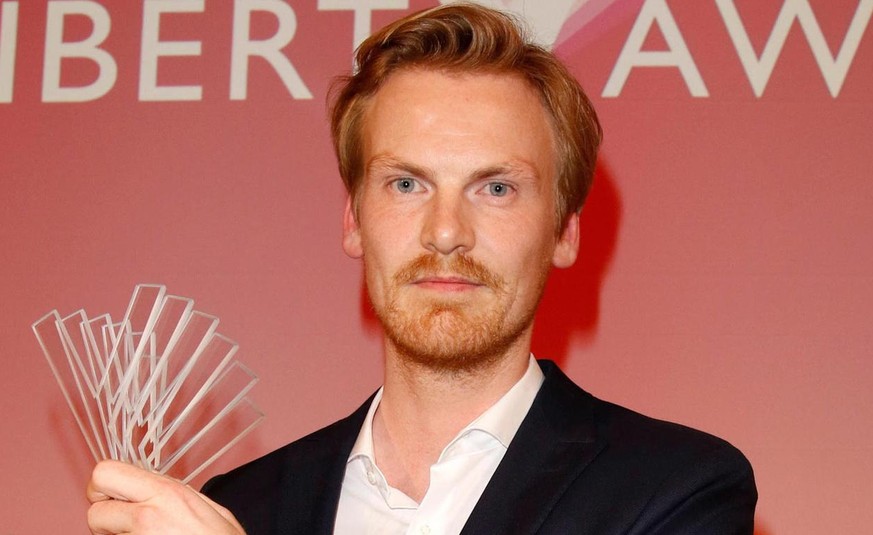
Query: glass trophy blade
column 175, row 368
column 144, row 307
column 205, row 410
column 167, row 332
column 160, row 389
column 140, row 318
column 74, row 338
column 197, row 379
column 48, row 331
column 244, row 418
column 211, row 442
column 73, row 334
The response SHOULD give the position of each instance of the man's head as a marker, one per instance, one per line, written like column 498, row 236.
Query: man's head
column 467, row 154
column 465, row 38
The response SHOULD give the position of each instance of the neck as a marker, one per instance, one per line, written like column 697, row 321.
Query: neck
column 439, row 398
column 423, row 409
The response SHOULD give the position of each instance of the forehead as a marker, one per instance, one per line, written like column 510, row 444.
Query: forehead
column 431, row 116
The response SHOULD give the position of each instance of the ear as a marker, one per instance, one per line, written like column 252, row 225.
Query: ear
column 351, row 232
column 567, row 247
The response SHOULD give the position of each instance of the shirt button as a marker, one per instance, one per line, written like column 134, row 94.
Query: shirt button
column 425, row 530
column 371, row 477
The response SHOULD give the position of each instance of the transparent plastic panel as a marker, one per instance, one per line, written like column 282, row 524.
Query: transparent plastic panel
column 177, row 363
column 203, row 371
column 166, row 334
column 48, row 331
column 214, row 441
column 139, row 320
column 204, row 410
column 144, row 306
column 91, row 332
column 77, row 344
column 72, row 330
column 102, row 336
column 160, row 389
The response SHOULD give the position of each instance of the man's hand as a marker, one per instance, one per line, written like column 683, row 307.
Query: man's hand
column 130, row 500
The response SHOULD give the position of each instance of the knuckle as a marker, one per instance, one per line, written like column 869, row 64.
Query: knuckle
column 97, row 474
column 146, row 517
column 173, row 489
column 103, row 472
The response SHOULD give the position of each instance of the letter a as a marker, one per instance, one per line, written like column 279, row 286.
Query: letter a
column 632, row 54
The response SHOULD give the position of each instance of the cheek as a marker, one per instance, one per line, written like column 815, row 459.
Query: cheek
column 524, row 262
column 375, row 284
column 520, row 246
column 383, row 257
column 385, row 222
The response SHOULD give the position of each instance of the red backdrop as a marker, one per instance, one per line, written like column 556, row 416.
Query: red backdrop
column 726, row 274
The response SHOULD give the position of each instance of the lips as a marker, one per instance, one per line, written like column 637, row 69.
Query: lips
column 447, row 283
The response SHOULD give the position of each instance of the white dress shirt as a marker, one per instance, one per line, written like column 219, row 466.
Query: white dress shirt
column 369, row 506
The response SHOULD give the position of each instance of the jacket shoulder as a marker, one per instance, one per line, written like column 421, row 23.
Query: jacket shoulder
column 632, row 433
column 691, row 481
column 667, row 477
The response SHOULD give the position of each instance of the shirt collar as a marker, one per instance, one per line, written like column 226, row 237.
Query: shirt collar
column 364, row 444
column 501, row 420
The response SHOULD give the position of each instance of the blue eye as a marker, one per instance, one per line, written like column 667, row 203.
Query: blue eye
column 404, row 185
column 498, row 189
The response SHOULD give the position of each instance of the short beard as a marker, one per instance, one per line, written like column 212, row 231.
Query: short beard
column 444, row 335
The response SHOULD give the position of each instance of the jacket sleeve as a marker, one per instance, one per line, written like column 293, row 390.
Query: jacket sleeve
column 713, row 494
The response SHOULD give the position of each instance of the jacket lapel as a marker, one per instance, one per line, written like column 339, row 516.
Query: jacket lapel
column 555, row 443
column 311, row 492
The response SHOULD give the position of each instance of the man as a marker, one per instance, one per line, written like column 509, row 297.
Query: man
column 467, row 155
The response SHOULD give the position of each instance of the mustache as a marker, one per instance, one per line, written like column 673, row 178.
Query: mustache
column 428, row 265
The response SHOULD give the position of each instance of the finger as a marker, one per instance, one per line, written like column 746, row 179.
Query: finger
column 110, row 517
column 122, row 481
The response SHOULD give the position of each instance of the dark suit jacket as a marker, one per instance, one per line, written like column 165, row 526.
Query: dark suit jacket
column 577, row 465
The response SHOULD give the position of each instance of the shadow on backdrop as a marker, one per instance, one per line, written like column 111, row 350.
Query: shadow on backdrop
column 570, row 308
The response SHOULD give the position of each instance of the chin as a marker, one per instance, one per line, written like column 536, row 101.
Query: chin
column 448, row 339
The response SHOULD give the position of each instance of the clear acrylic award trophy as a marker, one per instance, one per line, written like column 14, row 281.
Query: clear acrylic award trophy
column 160, row 389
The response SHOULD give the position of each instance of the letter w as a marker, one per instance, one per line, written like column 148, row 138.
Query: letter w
column 833, row 69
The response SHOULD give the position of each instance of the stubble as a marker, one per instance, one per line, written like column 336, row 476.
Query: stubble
column 450, row 333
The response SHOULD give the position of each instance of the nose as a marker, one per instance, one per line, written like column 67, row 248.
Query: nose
column 448, row 226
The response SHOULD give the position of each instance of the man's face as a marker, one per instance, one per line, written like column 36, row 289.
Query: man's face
column 455, row 215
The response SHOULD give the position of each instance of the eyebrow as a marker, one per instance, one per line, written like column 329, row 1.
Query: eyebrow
column 390, row 162
column 517, row 169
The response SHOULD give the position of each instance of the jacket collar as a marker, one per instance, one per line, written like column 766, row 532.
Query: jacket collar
column 310, row 493
column 555, row 443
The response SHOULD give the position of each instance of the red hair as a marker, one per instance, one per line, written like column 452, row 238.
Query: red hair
column 467, row 38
